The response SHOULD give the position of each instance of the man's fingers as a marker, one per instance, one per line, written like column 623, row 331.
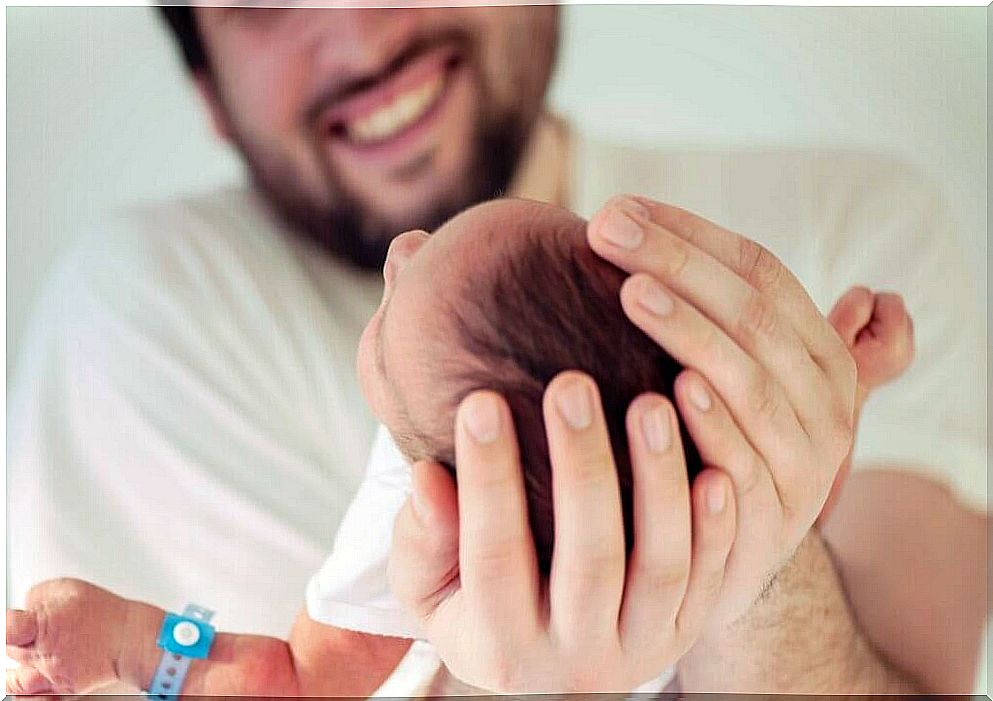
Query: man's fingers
column 659, row 564
column 721, row 442
column 22, row 626
column 587, row 576
column 499, row 570
column 713, row 535
column 27, row 680
column 425, row 551
column 750, row 318
column 763, row 410
column 745, row 258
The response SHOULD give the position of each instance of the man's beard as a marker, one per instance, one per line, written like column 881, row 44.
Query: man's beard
column 350, row 232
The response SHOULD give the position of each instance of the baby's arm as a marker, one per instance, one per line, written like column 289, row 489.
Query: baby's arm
column 75, row 638
column 880, row 335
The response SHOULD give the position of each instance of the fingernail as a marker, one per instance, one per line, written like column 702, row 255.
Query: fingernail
column 716, row 498
column 700, row 397
column 481, row 417
column 621, row 230
column 653, row 297
column 655, row 425
column 575, row 404
column 631, row 205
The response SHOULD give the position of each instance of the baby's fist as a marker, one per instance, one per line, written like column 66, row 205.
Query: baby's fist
column 66, row 640
column 878, row 332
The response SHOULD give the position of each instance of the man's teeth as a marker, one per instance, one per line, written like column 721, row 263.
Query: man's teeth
column 404, row 110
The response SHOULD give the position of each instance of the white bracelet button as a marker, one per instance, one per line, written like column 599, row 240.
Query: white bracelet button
column 186, row 634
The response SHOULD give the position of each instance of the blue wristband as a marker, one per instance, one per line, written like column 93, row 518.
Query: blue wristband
column 184, row 638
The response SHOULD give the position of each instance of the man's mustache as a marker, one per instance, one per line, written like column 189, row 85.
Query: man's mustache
column 343, row 89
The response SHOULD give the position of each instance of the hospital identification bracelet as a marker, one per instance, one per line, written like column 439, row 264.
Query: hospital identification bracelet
column 183, row 638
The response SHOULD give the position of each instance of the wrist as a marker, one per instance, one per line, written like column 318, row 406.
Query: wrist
column 771, row 601
column 139, row 654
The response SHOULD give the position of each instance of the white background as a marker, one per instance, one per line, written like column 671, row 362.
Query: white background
column 99, row 113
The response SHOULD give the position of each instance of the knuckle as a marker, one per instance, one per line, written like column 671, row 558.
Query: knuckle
column 59, row 588
column 758, row 318
column 598, row 571
column 751, row 478
column 665, row 577
column 676, row 255
column 712, row 345
column 758, row 265
column 747, row 478
column 495, row 561
column 763, row 400
column 492, row 476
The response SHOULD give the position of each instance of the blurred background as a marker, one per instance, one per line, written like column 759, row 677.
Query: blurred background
column 99, row 113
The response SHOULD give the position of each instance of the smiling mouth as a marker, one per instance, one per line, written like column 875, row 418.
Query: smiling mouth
column 397, row 105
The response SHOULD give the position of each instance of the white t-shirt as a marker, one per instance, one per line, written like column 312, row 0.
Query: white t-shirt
column 835, row 220
column 186, row 423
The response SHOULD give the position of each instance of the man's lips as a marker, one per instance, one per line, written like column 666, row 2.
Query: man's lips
column 387, row 109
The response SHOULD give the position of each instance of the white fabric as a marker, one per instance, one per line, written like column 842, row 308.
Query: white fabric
column 186, row 424
column 835, row 220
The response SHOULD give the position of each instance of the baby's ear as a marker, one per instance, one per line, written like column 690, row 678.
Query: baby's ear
column 852, row 313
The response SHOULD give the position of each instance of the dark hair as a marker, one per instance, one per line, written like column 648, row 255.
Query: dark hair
column 183, row 25
column 548, row 305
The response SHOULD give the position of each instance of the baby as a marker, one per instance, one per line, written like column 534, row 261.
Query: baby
column 504, row 297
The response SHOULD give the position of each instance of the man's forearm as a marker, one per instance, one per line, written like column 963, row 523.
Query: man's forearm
column 799, row 638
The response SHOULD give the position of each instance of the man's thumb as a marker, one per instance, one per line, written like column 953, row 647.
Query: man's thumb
column 424, row 560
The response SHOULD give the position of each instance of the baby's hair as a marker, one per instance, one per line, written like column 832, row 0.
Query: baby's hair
column 547, row 304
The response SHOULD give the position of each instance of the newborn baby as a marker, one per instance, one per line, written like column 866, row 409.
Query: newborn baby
column 504, row 297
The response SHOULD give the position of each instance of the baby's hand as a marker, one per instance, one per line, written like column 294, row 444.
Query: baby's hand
column 67, row 640
column 879, row 333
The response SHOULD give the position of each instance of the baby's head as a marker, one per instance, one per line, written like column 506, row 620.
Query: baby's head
column 504, row 297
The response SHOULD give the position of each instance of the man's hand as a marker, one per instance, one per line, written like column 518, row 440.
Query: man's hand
column 465, row 564
column 769, row 392
column 67, row 640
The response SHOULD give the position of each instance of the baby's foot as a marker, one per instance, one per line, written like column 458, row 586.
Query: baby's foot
column 879, row 333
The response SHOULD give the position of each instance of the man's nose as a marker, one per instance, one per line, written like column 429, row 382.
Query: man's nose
column 357, row 44
column 402, row 249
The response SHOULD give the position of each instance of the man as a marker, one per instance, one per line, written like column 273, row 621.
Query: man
column 188, row 380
